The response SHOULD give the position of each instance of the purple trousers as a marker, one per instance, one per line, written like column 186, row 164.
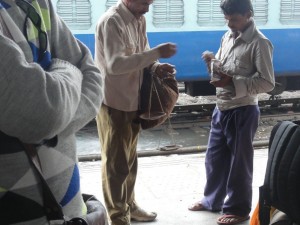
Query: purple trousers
column 229, row 160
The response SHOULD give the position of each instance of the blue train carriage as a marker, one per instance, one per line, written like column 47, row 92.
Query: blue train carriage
column 196, row 26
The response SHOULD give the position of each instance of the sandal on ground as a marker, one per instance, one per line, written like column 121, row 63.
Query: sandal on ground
column 197, row 206
column 231, row 219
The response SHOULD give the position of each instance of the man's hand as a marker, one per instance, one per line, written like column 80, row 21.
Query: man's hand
column 167, row 50
column 207, row 56
column 224, row 81
column 164, row 70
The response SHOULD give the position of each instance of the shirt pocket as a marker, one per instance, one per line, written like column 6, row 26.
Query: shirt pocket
column 242, row 67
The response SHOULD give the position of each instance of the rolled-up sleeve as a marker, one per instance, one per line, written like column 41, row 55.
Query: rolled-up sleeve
column 262, row 80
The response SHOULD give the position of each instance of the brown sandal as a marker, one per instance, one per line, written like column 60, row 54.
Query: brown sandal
column 231, row 219
column 197, row 206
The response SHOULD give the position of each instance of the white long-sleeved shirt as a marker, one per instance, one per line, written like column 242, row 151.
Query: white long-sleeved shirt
column 121, row 53
column 249, row 60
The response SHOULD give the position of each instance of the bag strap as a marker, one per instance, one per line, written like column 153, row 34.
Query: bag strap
column 53, row 209
column 264, row 206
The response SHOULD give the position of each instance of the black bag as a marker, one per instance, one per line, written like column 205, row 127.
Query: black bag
column 282, row 179
column 158, row 98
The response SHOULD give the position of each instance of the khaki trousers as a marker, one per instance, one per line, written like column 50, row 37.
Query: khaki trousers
column 118, row 133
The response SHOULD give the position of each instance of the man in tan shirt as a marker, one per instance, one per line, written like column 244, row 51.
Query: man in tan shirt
column 122, row 52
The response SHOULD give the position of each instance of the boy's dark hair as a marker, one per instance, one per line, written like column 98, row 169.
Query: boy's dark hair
column 230, row 7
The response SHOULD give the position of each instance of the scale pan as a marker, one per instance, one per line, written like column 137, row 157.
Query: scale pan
column 152, row 115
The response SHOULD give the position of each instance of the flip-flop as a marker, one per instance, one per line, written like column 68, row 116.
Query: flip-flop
column 231, row 219
column 197, row 206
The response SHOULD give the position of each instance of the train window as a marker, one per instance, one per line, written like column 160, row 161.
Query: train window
column 168, row 13
column 209, row 13
column 110, row 3
column 290, row 12
column 260, row 8
column 76, row 13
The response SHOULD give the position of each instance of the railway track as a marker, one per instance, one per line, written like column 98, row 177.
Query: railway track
column 197, row 118
column 192, row 122
column 273, row 109
column 272, row 103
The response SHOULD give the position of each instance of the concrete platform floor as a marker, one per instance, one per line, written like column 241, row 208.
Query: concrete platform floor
column 169, row 184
